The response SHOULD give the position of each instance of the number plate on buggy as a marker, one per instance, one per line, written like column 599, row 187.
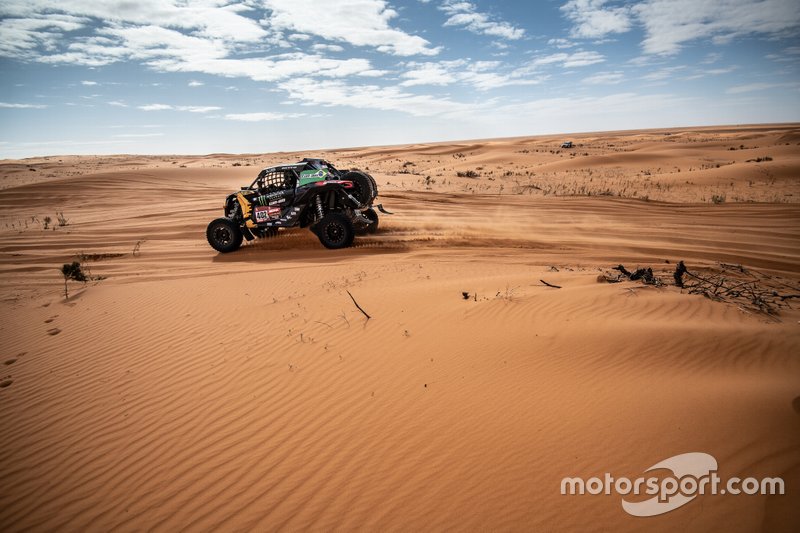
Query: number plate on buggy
column 266, row 213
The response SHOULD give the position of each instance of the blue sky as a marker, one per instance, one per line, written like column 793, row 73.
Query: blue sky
column 195, row 77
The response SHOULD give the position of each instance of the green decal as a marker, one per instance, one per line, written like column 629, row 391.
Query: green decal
column 312, row 176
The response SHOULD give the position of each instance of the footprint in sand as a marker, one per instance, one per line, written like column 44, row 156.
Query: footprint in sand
column 5, row 383
column 796, row 405
column 10, row 361
column 54, row 331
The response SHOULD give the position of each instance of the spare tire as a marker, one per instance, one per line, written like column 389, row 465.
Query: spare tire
column 374, row 185
column 364, row 189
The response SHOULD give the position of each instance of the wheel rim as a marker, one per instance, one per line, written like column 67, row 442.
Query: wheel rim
column 223, row 235
column 335, row 232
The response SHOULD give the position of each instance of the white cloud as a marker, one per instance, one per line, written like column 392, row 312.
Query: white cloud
column 269, row 69
column 117, row 103
column 19, row 37
column 339, row 93
column 663, row 73
column 699, row 74
column 88, row 83
column 482, row 75
column 753, row 87
column 155, row 107
column 168, row 50
column 203, row 38
column 137, row 135
column 593, row 19
column 466, row 14
column 319, row 47
column 197, row 109
column 21, row 106
column 787, row 55
column 575, row 59
column 582, row 59
column 723, row 70
column 561, row 43
column 187, row 108
column 604, row 78
column 210, row 19
column 670, row 24
column 195, row 83
column 262, row 117
column 357, row 22
column 440, row 73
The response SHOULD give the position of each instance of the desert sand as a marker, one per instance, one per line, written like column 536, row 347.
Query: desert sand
column 184, row 389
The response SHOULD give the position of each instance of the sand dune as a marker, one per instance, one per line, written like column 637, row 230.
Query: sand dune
column 191, row 390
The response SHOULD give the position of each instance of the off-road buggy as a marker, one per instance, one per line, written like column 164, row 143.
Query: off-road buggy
column 335, row 204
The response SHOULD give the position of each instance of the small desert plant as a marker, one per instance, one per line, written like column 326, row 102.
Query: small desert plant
column 72, row 271
column 47, row 221
column 508, row 295
column 718, row 198
column 62, row 220
column 467, row 174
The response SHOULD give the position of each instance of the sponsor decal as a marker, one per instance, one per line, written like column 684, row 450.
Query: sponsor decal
column 312, row 176
column 264, row 199
column 321, row 173
column 265, row 213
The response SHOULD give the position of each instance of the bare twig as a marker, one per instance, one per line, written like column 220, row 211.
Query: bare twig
column 358, row 306
column 550, row 284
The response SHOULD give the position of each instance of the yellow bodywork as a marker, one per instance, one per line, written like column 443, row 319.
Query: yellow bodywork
column 246, row 210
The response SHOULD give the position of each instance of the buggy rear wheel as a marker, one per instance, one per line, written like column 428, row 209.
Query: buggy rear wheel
column 373, row 219
column 224, row 235
column 372, row 227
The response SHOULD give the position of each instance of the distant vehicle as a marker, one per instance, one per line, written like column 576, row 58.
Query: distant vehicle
column 335, row 204
column 566, row 144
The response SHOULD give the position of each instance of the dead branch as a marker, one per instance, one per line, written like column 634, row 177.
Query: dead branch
column 748, row 289
column 680, row 270
column 550, row 284
column 358, row 306
column 644, row 274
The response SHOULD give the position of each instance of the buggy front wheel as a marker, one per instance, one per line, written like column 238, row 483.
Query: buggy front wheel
column 224, row 235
